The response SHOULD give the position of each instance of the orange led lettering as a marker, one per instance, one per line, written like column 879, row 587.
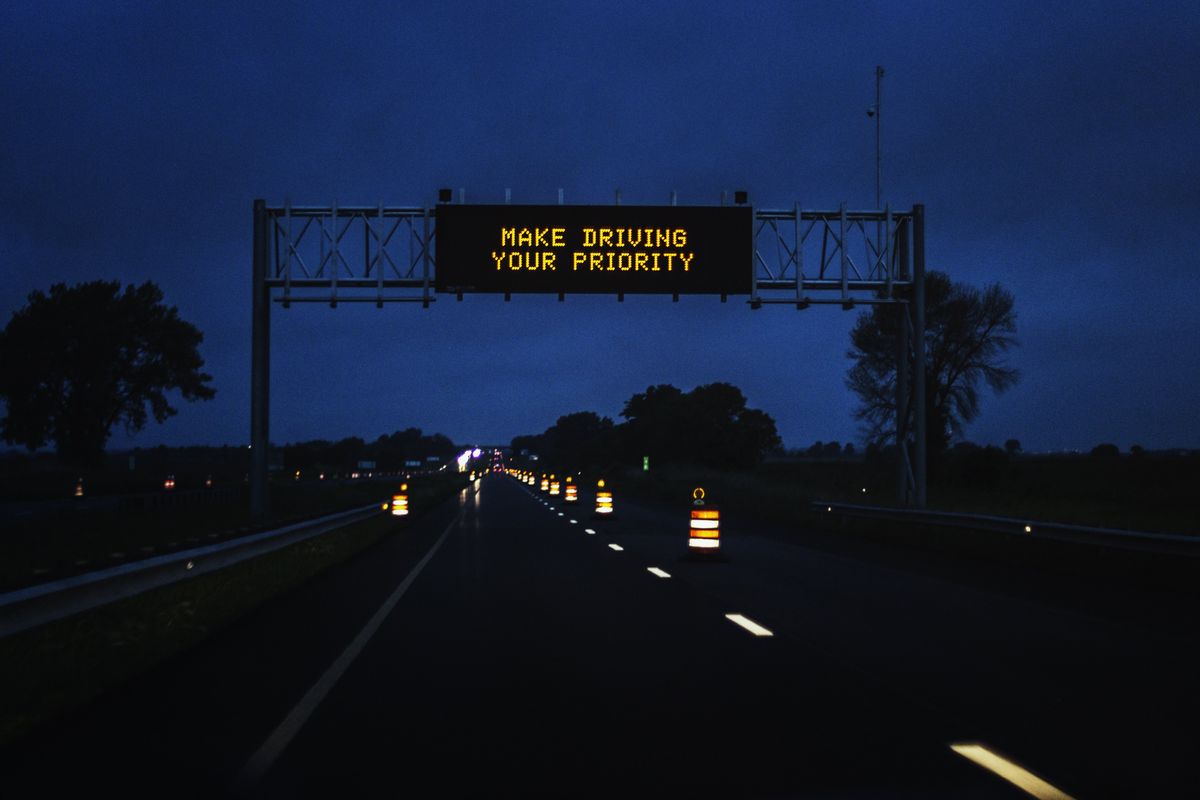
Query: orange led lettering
column 516, row 261
column 601, row 249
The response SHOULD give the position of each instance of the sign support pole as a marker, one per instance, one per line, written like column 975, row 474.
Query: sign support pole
column 918, row 309
column 904, row 493
column 260, row 358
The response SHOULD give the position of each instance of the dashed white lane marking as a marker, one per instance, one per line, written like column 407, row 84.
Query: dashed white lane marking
column 658, row 572
column 1015, row 774
column 748, row 624
column 277, row 742
column 589, row 531
column 616, row 547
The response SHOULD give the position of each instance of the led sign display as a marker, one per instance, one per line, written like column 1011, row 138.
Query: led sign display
column 594, row 249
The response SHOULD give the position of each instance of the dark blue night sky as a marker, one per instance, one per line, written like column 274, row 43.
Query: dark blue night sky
column 1055, row 150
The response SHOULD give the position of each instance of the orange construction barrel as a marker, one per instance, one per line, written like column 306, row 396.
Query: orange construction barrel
column 704, row 530
column 400, row 502
column 604, row 500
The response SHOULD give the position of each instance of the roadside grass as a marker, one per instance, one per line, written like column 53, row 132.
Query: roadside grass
column 1145, row 494
column 52, row 546
column 49, row 670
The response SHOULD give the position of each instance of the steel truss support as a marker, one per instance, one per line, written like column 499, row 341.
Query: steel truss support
column 339, row 254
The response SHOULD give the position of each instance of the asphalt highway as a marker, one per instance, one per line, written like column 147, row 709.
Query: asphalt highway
column 506, row 644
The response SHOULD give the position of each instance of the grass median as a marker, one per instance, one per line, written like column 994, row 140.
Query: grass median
column 48, row 670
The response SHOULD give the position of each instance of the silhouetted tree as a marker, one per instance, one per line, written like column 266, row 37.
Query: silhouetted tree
column 578, row 440
column 708, row 425
column 79, row 360
column 967, row 332
column 1105, row 451
column 654, row 425
column 1012, row 447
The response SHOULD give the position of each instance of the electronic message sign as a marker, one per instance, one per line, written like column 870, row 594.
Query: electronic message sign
column 595, row 249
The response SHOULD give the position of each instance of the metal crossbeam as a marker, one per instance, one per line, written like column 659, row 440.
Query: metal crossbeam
column 337, row 254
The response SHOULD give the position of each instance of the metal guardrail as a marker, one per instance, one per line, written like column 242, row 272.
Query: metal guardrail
column 36, row 605
column 1166, row 543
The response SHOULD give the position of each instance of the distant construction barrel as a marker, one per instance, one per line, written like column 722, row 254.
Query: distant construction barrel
column 545, row 487
column 400, row 502
column 704, row 531
column 554, row 486
column 572, row 491
column 604, row 500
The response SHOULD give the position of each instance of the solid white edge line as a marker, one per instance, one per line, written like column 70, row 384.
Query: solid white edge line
column 266, row 755
column 749, row 624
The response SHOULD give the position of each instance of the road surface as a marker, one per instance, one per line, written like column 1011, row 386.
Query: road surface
column 504, row 644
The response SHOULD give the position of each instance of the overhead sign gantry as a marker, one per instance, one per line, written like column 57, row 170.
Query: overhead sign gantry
column 790, row 256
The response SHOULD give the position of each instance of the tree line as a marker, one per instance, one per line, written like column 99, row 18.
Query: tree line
column 709, row 425
column 79, row 360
